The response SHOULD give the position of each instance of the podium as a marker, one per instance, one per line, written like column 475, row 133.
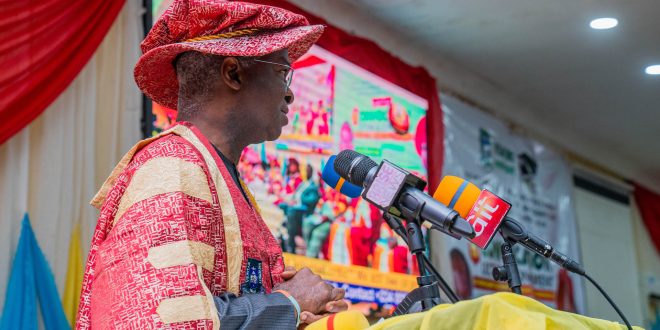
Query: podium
column 496, row 311
column 502, row 310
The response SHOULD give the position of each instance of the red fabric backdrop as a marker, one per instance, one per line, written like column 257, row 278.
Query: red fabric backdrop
column 649, row 207
column 373, row 58
column 43, row 46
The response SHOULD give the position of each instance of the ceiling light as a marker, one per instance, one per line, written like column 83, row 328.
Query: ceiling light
column 653, row 69
column 604, row 23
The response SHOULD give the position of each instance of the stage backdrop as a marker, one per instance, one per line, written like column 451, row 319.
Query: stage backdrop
column 536, row 181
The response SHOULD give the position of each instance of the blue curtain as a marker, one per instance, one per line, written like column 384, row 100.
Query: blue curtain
column 30, row 280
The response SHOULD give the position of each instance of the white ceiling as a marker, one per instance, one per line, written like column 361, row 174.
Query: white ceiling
column 580, row 88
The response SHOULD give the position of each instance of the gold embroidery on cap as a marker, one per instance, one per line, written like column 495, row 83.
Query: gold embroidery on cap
column 227, row 35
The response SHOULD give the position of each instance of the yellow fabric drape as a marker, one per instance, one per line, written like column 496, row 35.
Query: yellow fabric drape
column 496, row 311
column 74, row 276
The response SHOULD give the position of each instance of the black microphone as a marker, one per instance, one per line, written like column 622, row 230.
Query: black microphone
column 516, row 232
column 396, row 191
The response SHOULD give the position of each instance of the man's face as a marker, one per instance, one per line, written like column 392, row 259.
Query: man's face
column 267, row 96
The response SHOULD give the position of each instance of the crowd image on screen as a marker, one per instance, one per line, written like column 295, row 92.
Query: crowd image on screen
column 312, row 219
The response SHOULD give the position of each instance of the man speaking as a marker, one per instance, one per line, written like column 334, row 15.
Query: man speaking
column 179, row 241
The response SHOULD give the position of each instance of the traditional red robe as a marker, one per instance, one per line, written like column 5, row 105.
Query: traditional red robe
column 173, row 231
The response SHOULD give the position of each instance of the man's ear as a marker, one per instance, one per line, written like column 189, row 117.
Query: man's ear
column 232, row 73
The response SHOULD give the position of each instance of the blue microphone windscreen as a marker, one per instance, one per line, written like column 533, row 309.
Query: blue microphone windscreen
column 329, row 175
column 350, row 190
column 332, row 178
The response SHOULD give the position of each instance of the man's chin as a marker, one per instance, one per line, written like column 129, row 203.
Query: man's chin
column 274, row 136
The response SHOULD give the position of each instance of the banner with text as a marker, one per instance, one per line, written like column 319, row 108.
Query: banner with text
column 538, row 184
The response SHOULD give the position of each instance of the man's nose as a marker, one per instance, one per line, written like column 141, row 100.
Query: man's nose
column 288, row 97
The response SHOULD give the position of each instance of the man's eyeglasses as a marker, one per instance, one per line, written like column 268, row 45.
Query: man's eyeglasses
column 289, row 72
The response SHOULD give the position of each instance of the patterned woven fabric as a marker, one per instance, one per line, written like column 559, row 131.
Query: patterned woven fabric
column 173, row 232
column 226, row 28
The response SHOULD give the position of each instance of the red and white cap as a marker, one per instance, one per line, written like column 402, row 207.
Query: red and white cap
column 228, row 28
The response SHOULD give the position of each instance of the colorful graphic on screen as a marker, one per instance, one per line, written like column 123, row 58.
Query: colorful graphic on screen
column 337, row 106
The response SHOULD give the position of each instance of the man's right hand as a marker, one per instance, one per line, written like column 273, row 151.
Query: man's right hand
column 310, row 291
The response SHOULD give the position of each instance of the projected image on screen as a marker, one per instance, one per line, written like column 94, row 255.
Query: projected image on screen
column 337, row 106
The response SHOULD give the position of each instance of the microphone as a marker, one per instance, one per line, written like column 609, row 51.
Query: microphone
column 396, row 191
column 476, row 206
column 486, row 215
column 395, row 223
column 332, row 178
column 338, row 183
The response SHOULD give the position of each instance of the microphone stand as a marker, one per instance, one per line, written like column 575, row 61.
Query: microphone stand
column 509, row 270
column 429, row 280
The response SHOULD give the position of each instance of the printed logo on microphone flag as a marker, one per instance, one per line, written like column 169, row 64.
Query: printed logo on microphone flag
column 486, row 216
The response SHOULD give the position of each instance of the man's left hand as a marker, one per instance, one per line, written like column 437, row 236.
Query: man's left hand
column 335, row 306
column 331, row 307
